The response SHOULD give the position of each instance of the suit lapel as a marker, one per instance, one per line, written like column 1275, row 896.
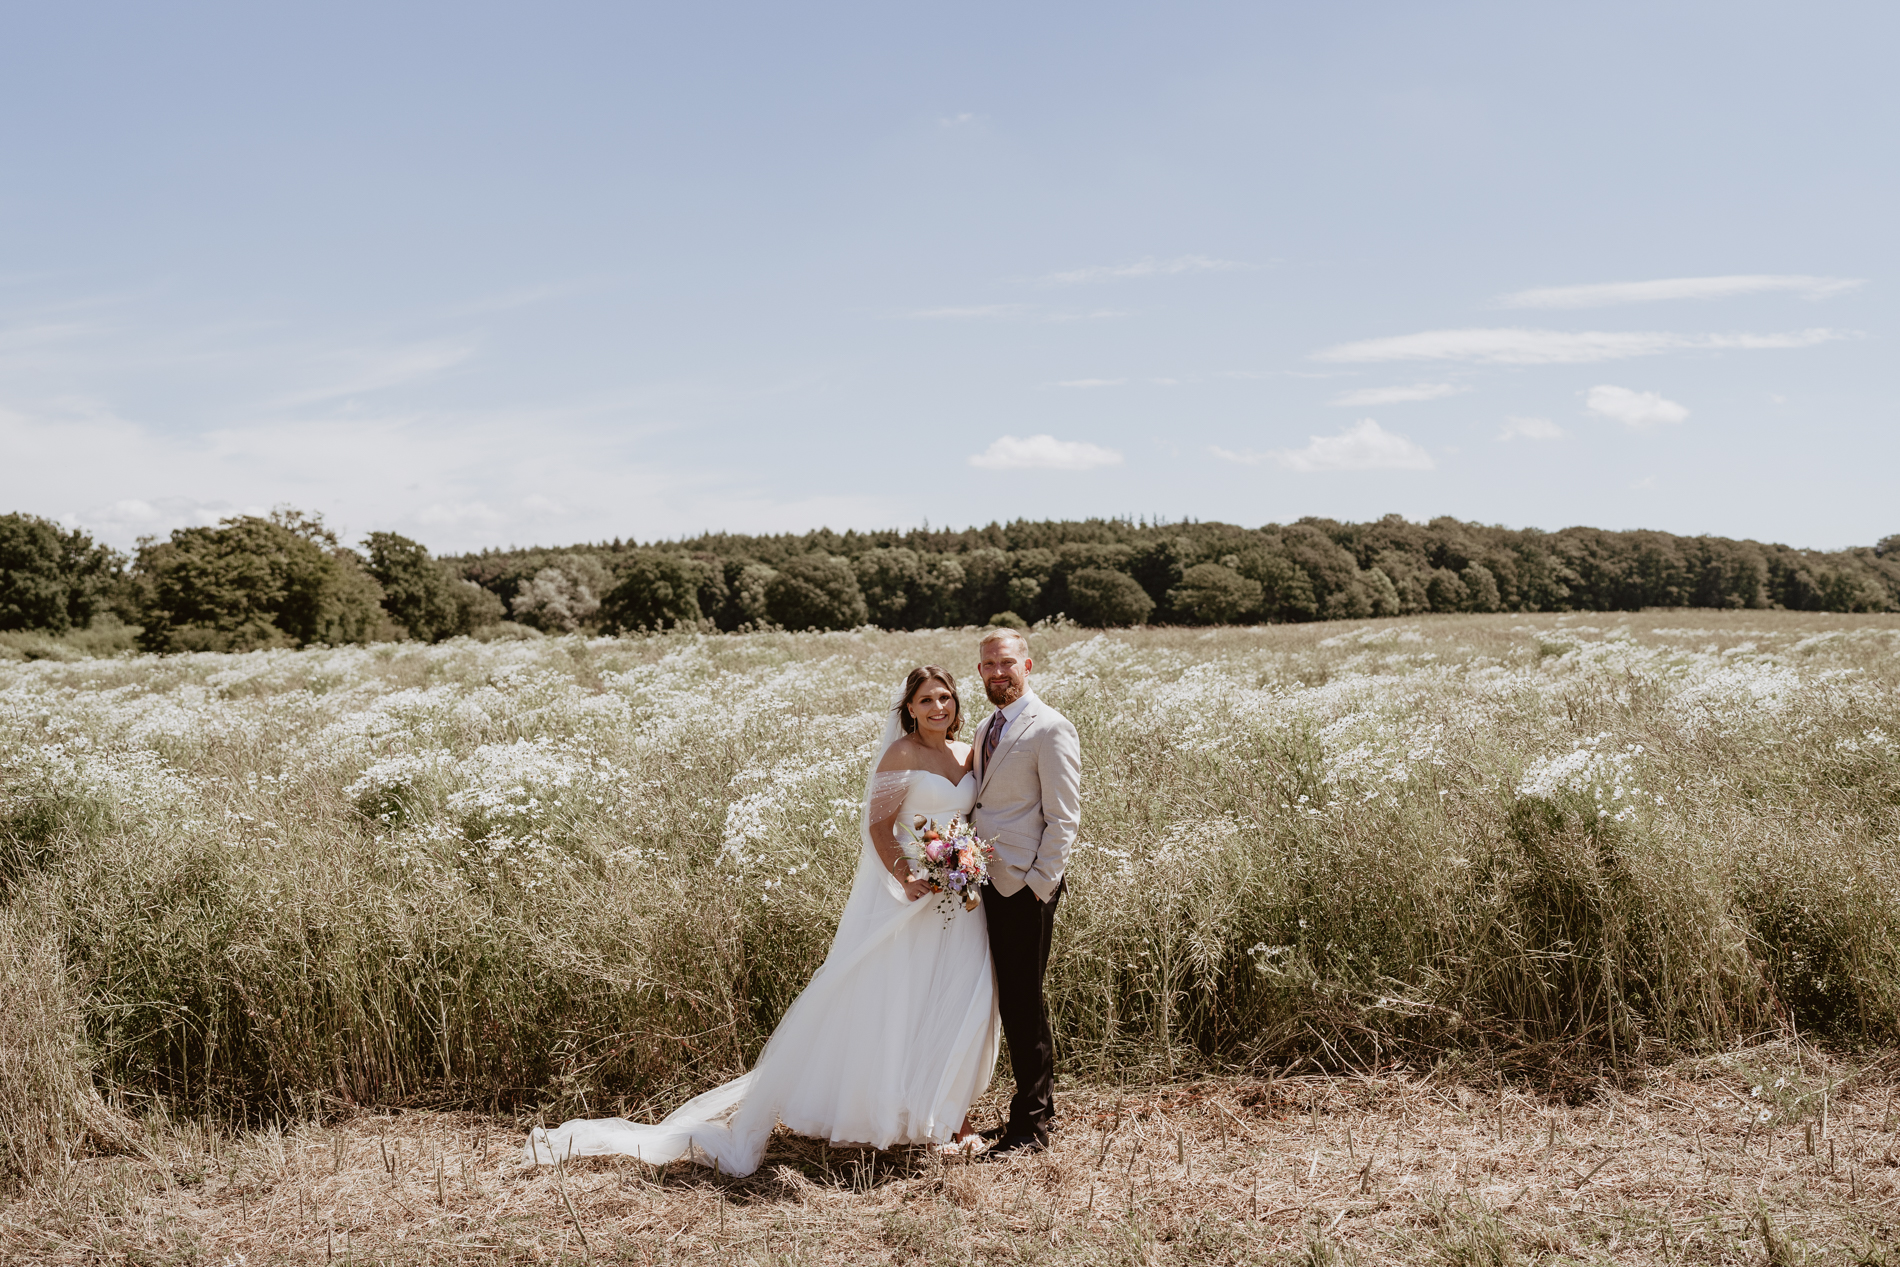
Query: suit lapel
column 1016, row 730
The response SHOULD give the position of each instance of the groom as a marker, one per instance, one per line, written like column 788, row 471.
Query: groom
column 1028, row 804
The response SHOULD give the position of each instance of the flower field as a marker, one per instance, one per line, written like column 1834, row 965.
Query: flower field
column 570, row 876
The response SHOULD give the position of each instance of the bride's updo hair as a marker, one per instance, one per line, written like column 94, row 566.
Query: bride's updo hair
column 914, row 683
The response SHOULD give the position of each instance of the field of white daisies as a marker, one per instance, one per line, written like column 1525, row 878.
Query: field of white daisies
column 577, row 876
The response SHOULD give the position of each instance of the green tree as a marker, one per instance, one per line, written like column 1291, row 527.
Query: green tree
column 1024, row 593
column 985, row 589
column 1215, row 594
column 1315, row 568
column 475, row 607
column 563, row 596
column 1286, row 591
column 1729, row 574
column 1102, row 598
column 904, row 589
column 938, row 600
column 1407, row 574
column 1383, row 594
column 657, row 589
column 251, row 583
column 418, row 593
column 1447, row 591
column 1544, row 579
column 52, row 578
column 1847, row 588
column 33, row 584
column 750, row 592
column 815, row 591
column 715, row 599
column 1481, row 588
column 1157, row 565
column 1333, row 571
column 1031, row 576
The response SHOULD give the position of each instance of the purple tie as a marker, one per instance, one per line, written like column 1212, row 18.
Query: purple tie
column 989, row 739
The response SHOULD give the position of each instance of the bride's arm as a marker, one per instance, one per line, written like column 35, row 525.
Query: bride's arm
column 888, row 787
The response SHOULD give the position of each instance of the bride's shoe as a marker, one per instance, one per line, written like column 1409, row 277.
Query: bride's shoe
column 971, row 1145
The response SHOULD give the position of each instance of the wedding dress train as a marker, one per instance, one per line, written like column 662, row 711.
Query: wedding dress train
column 890, row 1043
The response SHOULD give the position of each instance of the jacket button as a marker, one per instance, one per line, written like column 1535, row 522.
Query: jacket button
column 978, row 805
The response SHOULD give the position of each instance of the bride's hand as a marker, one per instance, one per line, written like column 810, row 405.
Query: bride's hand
column 915, row 888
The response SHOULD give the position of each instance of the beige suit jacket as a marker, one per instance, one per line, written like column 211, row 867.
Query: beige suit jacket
column 1029, row 800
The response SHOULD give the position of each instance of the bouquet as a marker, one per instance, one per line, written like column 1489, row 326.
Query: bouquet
column 955, row 862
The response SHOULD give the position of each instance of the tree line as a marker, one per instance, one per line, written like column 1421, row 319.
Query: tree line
column 286, row 580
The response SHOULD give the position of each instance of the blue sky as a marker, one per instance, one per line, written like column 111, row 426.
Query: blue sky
column 489, row 275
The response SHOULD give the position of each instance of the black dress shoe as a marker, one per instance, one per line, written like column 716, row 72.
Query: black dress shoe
column 1018, row 1146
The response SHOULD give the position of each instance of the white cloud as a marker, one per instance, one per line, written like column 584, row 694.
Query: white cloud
column 974, row 311
column 1557, row 347
column 1635, row 409
column 454, row 481
column 1144, row 268
column 1092, row 382
column 1530, row 429
column 957, row 120
column 477, row 514
column 1365, row 446
column 1094, row 314
column 1013, row 312
column 1366, row 396
column 1605, row 294
column 132, row 517
column 1043, row 453
column 359, row 371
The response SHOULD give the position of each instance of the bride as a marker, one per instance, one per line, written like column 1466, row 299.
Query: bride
column 896, row 1034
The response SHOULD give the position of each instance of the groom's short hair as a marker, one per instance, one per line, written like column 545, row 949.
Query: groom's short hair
column 999, row 632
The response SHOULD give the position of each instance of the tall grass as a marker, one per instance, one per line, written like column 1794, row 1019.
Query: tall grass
column 107, row 635
column 50, row 1109
column 41, row 1071
column 583, row 875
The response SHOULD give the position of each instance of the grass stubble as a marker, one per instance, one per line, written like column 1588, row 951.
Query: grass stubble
column 1494, row 898
column 1673, row 1166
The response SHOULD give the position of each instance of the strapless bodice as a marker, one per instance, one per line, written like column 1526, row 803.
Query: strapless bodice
column 934, row 796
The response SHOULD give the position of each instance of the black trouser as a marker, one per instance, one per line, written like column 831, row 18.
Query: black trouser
column 1021, row 926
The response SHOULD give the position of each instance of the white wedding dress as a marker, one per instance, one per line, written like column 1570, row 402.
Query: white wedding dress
column 890, row 1043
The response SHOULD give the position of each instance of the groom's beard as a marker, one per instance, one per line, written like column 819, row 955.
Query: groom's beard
column 1003, row 696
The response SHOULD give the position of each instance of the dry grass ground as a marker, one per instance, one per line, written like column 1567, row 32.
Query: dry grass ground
column 1390, row 1167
